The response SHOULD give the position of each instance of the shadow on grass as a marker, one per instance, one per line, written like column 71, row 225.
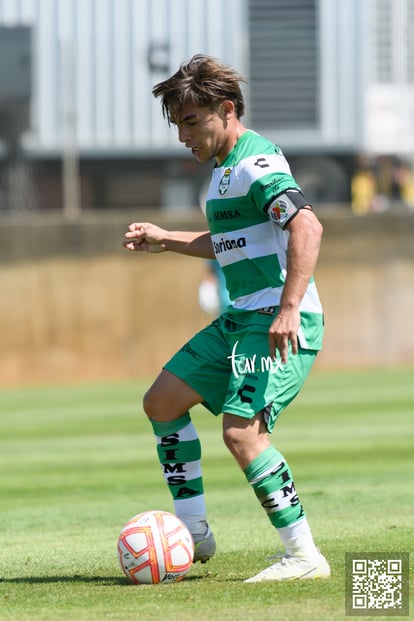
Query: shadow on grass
column 99, row 580
column 118, row 580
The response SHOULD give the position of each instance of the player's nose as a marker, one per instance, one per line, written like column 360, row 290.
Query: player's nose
column 183, row 134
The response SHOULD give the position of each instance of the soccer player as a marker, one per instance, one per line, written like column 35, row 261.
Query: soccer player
column 250, row 363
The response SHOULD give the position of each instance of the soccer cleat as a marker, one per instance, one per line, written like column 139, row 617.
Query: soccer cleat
column 204, row 546
column 294, row 568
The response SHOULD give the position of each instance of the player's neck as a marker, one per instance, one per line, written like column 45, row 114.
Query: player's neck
column 234, row 134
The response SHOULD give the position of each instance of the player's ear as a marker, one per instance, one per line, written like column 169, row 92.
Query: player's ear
column 227, row 108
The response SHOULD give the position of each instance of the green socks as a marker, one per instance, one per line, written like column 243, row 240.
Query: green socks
column 179, row 452
column 272, row 481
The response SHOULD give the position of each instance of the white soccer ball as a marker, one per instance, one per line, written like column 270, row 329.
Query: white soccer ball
column 155, row 547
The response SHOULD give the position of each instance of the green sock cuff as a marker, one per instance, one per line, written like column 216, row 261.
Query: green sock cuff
column 262, row 462
column 171, row 426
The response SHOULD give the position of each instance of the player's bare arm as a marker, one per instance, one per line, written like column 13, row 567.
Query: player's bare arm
column 305, row 233
column 148, row 237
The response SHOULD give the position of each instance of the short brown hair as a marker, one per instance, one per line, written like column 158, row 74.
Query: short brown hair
column 203, row 81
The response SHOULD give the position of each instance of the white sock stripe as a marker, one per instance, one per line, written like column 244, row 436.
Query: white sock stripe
column 278, row 500
column 186, row 434
column 190, row 469
column 266, row 472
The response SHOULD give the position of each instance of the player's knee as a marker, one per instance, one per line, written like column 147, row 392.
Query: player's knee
column 234, row 439
column 245, row 439
column 150, row 404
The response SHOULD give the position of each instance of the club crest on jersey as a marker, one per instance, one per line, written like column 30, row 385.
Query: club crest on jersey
column 225, row 182
column 281, row 211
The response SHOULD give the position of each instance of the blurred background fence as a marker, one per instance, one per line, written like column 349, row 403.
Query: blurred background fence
column 84, row 150
column 77, row 306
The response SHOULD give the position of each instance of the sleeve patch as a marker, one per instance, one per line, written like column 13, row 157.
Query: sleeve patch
column 285, row 206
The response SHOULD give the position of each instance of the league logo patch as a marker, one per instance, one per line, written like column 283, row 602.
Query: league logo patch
column 225, row 182
column 281, row 211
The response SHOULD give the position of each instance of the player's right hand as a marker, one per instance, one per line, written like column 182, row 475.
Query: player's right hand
column 145, row 237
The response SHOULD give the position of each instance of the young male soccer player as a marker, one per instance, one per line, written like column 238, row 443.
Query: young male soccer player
column 252, row 361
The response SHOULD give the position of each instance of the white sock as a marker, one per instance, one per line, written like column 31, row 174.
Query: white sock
column 298, row 541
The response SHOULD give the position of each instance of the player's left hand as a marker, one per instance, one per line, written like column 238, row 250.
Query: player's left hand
column 284, row 330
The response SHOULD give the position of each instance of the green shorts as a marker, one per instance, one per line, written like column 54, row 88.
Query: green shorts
column 229, row 365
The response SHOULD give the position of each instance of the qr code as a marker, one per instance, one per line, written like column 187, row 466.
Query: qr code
column 377, row 584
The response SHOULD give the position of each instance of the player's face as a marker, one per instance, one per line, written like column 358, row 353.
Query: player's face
column 205, row 132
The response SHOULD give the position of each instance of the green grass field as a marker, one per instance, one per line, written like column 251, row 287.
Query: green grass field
column 77, row 462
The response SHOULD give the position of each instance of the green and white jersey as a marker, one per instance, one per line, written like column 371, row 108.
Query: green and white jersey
column 247, row 225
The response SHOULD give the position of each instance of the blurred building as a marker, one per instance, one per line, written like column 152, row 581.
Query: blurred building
column 327, row 80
